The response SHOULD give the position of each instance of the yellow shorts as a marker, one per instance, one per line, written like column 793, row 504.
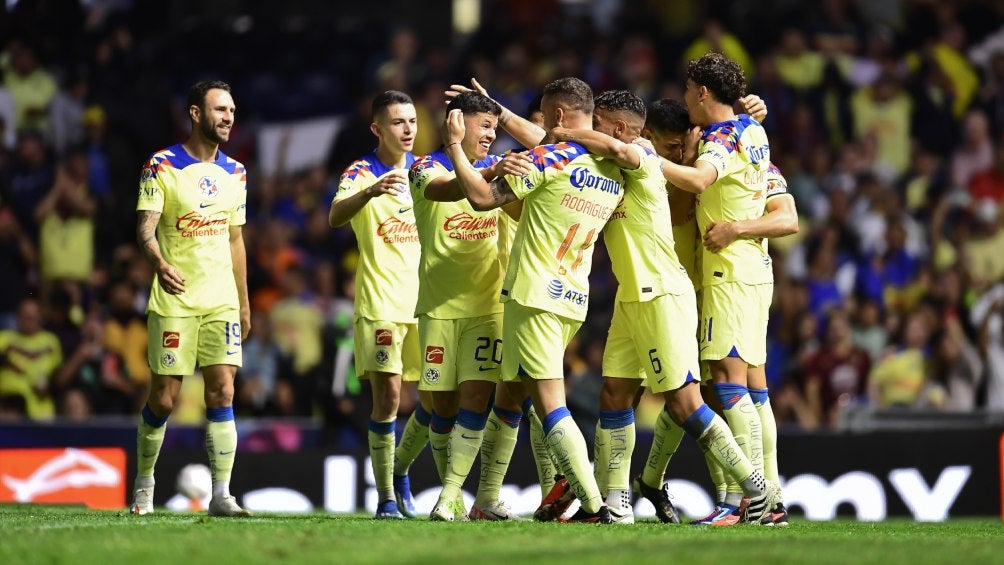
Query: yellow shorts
column 654, row 340
column 535, row 342
column 175, row 344
column 734, row 322
column 468, row 349
column 387, row 347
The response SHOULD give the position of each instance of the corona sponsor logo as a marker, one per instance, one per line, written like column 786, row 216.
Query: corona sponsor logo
column 582, row 178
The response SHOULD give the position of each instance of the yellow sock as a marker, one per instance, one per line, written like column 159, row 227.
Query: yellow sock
column 664, row 445
column 381, row 443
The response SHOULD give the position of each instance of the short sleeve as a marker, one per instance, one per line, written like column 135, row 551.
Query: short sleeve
column 716, row 155
column 151, row 188
column 238, row 216
column 525, row 184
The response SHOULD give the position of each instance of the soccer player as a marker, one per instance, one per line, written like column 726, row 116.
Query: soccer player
column 373, row 195
column 730, row 179
column 567, row 199
column 192, row 204
column 655, row 299
column 460, row 317
column 780, row 219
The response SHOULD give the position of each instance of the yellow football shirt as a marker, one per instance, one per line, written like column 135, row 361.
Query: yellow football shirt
column 387, row 273
column 459, row 274
column 568, row 196
column 30, row 361
column 198, row 203
column 739, row 151
column 639, row 236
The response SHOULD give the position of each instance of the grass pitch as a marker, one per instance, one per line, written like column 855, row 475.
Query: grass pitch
column 45, row 534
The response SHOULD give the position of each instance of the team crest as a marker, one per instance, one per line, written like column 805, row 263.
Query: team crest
column 382, row 357
column 169, row 359
column 432, row 376
column 208, row 188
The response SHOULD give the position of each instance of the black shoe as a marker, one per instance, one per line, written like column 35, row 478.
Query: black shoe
column 660, row 498
column 601, row 516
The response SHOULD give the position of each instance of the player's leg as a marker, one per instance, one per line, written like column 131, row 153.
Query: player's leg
column 497, row 448
column 719, row 480
column 465, row 441
column 714, row 437
column 415, row 435
column 614, row 445
column 172, row 347
column 546, row 469
column 757, row 377
column 221, row 436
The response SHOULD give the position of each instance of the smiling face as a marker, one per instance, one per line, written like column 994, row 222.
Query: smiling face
column 396, row 127
column 479, row 134
column 216, row 116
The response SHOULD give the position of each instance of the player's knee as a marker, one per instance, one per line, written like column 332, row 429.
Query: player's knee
column 613, row 397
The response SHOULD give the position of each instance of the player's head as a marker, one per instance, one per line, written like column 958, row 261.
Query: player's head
column 481, row 117
column 619, row 114
column 211, row 109
column 395, row 122
column 666, row 127
column 714, row 79
column 29, row 316
column 567, row 102
column 533, row 112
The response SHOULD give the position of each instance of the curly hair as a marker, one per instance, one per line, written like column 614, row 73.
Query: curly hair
column 571, row 91
column 668, row 115
column 621, row 100
column 471, row 102
column 386, row 99
column 721, row 75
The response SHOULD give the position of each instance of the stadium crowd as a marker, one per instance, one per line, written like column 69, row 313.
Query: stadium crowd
column 887, row 124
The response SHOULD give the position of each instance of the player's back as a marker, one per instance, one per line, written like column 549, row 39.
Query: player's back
column 385, row 229
column 739, row 150
column 459, row 272
column 568, row 197
column 198, row 202
column 639, row 236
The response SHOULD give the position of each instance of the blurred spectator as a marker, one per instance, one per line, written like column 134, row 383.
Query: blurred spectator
column 66, row 114
column 869, row 334
column 8, row 131
column 17, row 259
column 66, row 220
column 885, row 276
column 297, row 324
column 988, row 184
column 97, row 373
column 64, row 315
column 31, row 86
column 32, row 175
column 835, row 374
column 882, row 112
column 988, row 315
column 898, row 378
column 975, row 154
column 716, row 38
column 956, row 370
column 258, row 374
column 125, row 331
column 799, row 67
column 29, row 358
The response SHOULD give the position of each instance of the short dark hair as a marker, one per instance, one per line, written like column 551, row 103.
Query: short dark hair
column 197, row 93
column 667, row 115
column 571, row 91
column 388, row 98
column 471, row 102
column 621, row 100
column 721, row 75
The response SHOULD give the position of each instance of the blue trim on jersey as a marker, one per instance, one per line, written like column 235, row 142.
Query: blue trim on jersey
column 611, row 419
column 472, row 420
column 556, row 154
column 440, row 424
column 696, row 423
column 422, row 416
column 382, row 428
column 379, row 168
column 730, row 394
column 734, row 353
column 152, row 419
column 759, row 395
column 439, row 156
column 510, row 418
column 224, row 414
column 728, row 133
column 690, row 378
column 554, row 417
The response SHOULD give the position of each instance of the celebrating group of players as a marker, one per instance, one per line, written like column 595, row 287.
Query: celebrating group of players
column 501, row 247
column 492, row 255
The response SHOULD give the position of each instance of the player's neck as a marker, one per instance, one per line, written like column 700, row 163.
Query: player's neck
column 718, row 113
column 201, row 148
column 390, row 157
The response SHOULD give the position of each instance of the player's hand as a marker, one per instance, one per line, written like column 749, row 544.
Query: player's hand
column 690, row 143
column 517, row 164
column 394, row 182
column 754, row 106
column 645, row 142
column 719, row 235
column 454, row 129
column 171, row 279
column 457, row 89
column 245, row 315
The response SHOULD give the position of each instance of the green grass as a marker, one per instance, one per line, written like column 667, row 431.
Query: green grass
column 45, row 534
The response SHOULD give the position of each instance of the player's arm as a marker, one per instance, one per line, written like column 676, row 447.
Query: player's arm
column 343, row 209
column 780, row 219
column 696, row 178
column 483, row 195
column 238, row 256
column 442, row 189
column 626, row 156
column 521, row 129
column 171, row 279
column 754, row 106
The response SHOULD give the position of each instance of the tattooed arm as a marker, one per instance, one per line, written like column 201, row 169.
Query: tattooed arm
column 482, row 195
column 169, row 277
